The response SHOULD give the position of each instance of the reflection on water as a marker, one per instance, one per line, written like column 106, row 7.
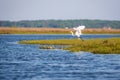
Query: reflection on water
column 28, row 62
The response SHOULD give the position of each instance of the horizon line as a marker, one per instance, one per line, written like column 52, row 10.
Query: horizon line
column 56, row 20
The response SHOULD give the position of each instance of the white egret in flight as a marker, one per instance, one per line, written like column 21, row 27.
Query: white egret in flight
column 78, row 31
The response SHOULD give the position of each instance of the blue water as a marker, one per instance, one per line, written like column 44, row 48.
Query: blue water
column 28, row 62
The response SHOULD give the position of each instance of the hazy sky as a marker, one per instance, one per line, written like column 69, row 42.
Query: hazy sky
column 15, row 10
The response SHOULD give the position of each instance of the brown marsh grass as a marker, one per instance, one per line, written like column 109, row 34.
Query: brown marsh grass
column 22, row 30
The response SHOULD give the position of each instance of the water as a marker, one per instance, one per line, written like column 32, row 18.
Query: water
column 28, row 62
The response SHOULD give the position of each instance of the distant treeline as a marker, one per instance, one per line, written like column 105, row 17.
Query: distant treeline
column 62, row 23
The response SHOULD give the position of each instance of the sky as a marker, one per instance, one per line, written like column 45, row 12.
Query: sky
column 16, row 10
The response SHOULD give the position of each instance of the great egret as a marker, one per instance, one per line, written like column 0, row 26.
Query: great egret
column 78, row 31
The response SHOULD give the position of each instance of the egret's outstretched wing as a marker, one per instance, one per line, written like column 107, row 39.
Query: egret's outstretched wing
column 80, row 27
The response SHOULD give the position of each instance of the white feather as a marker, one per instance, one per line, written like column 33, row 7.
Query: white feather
column 78, row 31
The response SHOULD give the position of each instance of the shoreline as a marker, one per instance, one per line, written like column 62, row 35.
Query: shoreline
column 58, row 34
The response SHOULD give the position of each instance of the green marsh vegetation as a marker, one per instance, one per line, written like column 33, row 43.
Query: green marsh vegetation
column 97, row 46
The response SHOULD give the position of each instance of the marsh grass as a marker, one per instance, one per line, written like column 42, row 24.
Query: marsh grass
column 102, row 46
column 30, row 30
column 22, row 30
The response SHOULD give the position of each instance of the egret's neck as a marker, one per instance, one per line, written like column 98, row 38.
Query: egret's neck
column 72, row 33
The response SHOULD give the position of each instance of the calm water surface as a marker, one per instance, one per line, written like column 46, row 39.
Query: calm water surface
column 28, row 62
